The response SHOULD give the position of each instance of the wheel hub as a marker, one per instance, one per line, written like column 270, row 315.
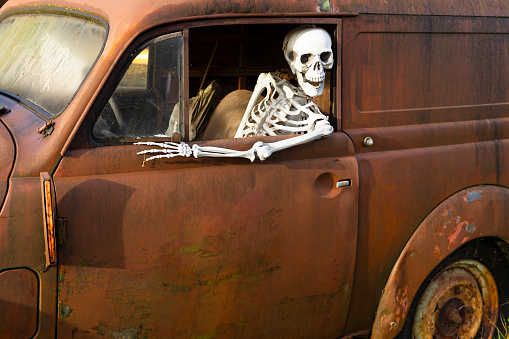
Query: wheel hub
column 451, row 317
column 460, row 302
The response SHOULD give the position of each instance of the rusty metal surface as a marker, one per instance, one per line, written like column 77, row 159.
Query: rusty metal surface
column 418, row 180
column 7, row 153
column 189, row 8
column 472, row 213
column 127, row 20
column 21, row 229
column 19, row 292
column 451, row 305
column 22, row 245
column 405, row 174
column 460, row 301
column 209, row 247
column 419, row 158
column 400, row 71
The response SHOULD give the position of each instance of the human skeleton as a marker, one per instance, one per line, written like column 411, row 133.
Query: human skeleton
column 285, row 109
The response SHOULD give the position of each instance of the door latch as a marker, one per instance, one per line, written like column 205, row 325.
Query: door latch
column 61, row 230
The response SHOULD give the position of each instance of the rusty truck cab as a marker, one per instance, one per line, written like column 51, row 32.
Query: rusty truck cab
column 395, row 221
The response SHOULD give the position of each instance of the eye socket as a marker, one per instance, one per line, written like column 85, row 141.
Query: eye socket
column 305, row 58
column 325, row 56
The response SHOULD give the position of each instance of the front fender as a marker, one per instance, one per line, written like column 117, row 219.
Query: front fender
column 481, row 211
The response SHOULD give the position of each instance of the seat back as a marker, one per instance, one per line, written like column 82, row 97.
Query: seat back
column 227, row 116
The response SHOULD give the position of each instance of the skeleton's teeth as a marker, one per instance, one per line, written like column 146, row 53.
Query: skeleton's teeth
column 315, row 79
column 314, row 82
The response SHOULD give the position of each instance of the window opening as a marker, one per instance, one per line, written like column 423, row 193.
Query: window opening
column 275, row 107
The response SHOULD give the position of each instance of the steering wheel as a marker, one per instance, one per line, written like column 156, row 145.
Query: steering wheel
column 115, row 107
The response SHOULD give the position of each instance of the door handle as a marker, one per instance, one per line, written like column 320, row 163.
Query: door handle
column 343, row 183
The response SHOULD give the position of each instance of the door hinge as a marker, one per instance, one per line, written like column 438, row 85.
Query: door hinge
column 61, row 230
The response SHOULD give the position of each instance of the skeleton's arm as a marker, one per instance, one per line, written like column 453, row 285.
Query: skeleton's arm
column 265, row 150
column 259, row 150
column 284, row 110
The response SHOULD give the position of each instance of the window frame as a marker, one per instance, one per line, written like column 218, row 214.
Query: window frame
column 149, row 85
column 84, row 137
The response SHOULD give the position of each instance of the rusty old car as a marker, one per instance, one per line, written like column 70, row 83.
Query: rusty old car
column 395, row 223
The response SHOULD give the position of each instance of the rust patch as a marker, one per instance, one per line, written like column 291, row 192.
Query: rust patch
column 271, row 218
column 437, row 250
column 459, row 228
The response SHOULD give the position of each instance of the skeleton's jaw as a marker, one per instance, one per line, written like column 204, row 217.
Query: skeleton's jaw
column 312, row 87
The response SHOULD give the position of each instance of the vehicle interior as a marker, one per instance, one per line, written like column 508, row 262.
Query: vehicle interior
column 224, row 62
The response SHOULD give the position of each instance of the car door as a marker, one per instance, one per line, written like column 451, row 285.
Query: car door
column 207, row 247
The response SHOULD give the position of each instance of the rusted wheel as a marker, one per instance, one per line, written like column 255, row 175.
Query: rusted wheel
column 461, row 301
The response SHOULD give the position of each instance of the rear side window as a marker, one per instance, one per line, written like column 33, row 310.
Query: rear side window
column 44, row 58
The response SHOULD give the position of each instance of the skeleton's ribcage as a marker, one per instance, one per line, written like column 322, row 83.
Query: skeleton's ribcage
column 278, row 114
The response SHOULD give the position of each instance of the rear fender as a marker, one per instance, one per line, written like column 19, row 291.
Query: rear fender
column 481, row 211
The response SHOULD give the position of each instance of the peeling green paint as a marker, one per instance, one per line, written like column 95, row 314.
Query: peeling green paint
column 473, row 196
column 207, row 254
column 190, row 249
column 100, row 329
column 470, row 228
column 229, row 234
column 242, row 322
column 65, row 310
column 324, row 5
column 207, row 335
column 177, row 287
column 128, row 333
column 206, row 295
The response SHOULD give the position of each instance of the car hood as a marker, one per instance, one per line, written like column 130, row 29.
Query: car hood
column 7, row 154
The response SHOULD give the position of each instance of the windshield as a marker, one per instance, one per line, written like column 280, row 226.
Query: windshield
column 44, row 58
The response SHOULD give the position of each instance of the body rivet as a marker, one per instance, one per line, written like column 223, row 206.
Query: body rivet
column 368, row 142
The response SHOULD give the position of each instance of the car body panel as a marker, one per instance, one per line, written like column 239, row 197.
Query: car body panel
column 453, row 223
column 7, row 153
column 420, row 155
column 223, row 247
column 211, row 247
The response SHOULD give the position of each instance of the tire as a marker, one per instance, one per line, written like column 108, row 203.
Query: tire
column 466, row 296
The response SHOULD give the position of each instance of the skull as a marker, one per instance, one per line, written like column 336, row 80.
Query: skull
column 308, row 51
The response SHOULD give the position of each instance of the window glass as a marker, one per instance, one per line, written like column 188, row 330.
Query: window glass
column 146, row 102
column 137, row 74
column 44, row 58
